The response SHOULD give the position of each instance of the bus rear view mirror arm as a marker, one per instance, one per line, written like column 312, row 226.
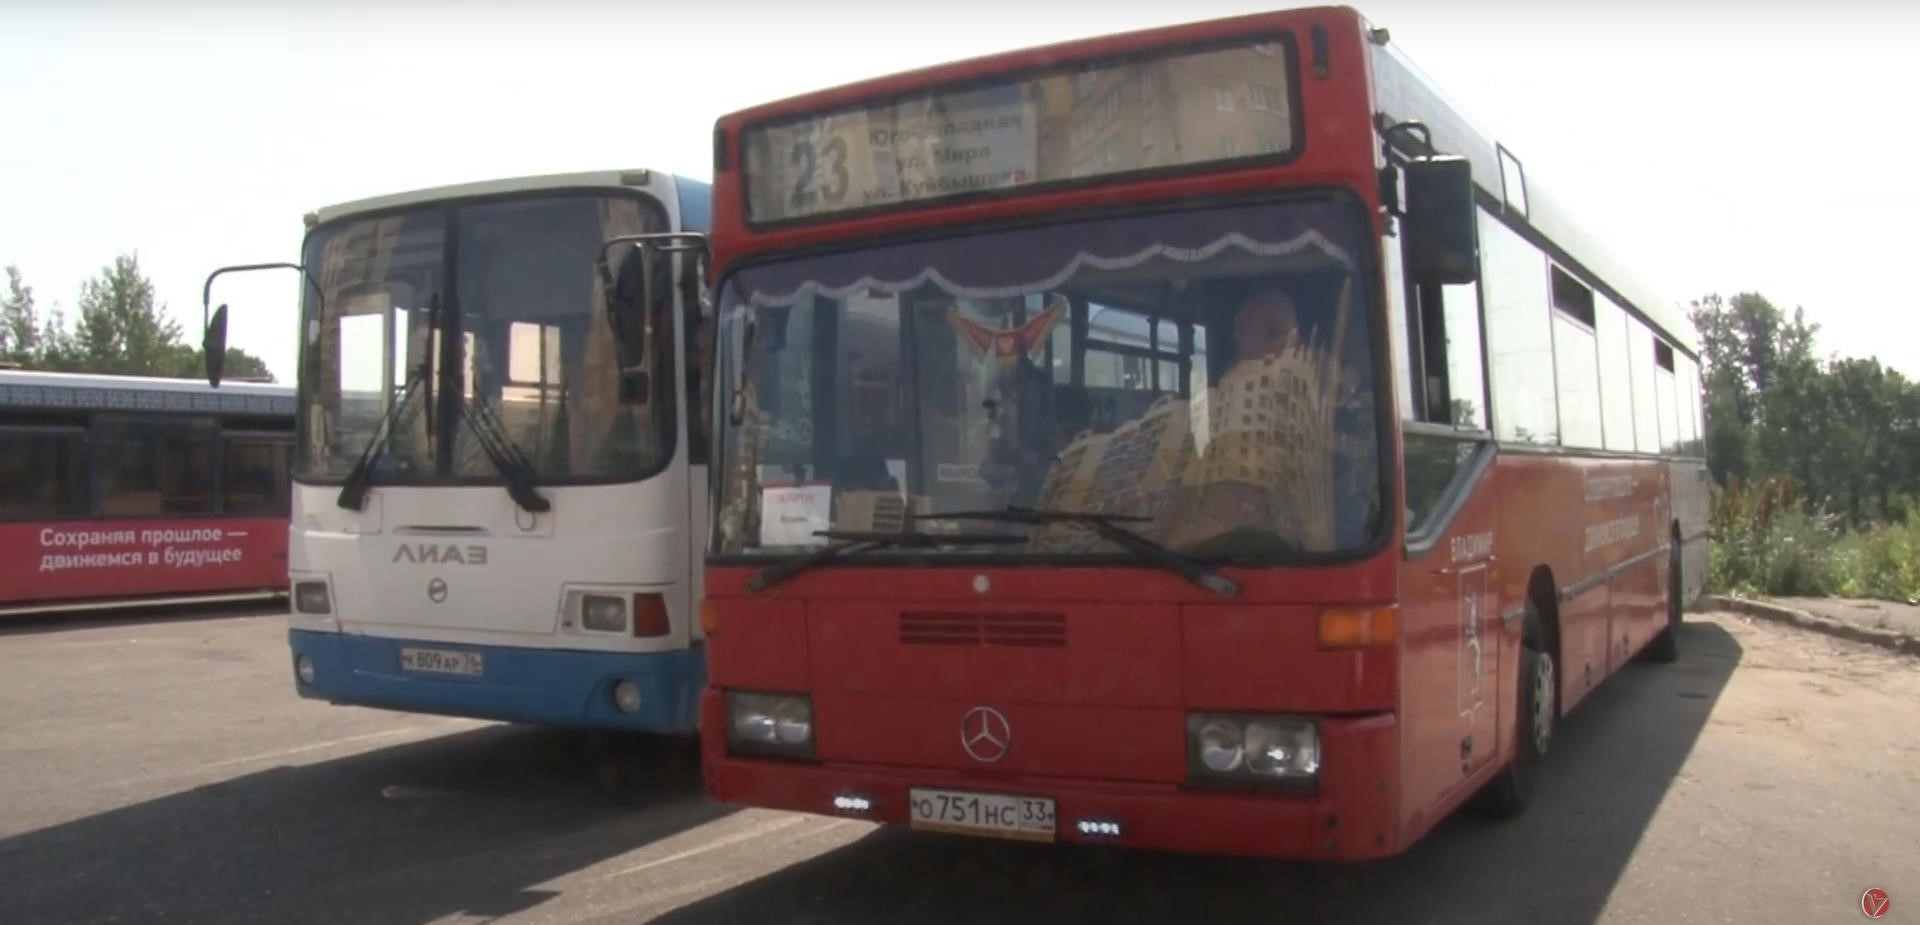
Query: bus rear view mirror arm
column 213, row 341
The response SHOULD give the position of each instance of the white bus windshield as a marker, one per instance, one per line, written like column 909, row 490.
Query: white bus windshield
column 516, row 277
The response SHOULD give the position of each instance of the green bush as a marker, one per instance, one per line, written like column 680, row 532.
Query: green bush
column 1882, row 562
column 1766, row 542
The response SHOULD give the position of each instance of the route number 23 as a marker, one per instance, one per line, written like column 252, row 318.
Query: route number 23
column 822, row 172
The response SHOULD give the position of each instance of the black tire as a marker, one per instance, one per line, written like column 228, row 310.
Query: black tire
column 1665, row 648
column 1510, row 792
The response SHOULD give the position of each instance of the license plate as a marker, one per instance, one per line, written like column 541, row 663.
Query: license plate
column 993, row 815
column 442, row 661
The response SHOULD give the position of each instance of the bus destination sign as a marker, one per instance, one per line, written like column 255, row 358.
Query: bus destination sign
column 1156, row 111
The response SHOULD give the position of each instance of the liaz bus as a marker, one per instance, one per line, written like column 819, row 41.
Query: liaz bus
column 130, row 490
column 1201, row 439
column 494, row 480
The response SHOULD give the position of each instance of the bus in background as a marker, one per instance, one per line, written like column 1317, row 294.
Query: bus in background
column 493, row 481
column 1200, row 439
column 123, row 490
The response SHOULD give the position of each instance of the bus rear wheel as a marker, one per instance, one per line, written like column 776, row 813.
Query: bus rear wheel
column 1509, row 793
column 1665, row 648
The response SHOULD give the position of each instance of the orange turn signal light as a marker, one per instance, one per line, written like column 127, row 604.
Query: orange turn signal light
column 1359, row 627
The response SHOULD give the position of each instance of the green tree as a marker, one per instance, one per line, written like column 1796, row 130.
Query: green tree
column 19, row 320
column 1757, row 325
column 1728, row 391
column 58, row 350
column 121, row 329
column 190, row 362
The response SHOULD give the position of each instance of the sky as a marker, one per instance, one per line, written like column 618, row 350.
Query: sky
column 1720, row 147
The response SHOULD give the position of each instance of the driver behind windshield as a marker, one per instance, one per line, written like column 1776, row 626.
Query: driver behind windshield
column 1268, row 327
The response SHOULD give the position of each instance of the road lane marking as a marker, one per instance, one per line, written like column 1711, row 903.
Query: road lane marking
column 276, row 755
column 722, row 842
column 309, row 747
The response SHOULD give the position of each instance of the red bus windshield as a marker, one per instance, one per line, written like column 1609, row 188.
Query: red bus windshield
column 1211, row 371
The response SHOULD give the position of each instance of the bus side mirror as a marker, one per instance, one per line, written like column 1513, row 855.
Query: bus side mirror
column 1442, row 227
column 214, row 346
column 629, row 287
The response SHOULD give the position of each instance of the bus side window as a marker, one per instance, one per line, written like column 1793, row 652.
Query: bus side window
column 154, row 467
column 43, row 473
column 255, row 478
column 1444, row 347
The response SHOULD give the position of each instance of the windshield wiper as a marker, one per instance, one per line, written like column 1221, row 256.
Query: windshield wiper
column 864, row 540
column 1108, row 527
column 353, row 489
column 505, row 455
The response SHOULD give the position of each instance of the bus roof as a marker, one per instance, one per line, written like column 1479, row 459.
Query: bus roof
column 91, row 392
column 633, row 178
column 1547, row 214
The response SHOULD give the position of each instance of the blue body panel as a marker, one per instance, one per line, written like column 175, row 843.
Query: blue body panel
column 549, row 687
column 696, row 204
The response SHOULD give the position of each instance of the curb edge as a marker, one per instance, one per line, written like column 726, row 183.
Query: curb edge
column 1886, row 639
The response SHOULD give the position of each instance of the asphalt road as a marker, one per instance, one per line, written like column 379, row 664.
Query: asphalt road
column 163, row 771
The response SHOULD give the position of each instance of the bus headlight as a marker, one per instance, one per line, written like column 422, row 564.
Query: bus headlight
column 1253, row 749
column 605, row 613
column 311, row 597
column 1220, row 746
column 772, row 724
column 1287, row 749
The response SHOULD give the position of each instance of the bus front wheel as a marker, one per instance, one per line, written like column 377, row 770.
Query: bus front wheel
column 1508, row 794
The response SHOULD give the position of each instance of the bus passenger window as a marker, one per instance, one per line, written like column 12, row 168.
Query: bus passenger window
column 255, row 475
column 150, row 469
column 43, row 474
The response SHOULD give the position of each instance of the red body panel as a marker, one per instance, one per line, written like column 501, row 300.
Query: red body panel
column 1601, row 528
column 83, row 560
column 1455, row 720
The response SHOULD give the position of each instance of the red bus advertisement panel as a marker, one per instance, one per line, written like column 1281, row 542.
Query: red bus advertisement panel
column 103, row 559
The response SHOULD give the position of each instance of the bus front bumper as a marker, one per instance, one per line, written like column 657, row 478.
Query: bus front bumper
column 548, row 687
column 1349, row 818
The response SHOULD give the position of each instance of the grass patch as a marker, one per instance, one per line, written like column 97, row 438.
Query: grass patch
column 1767, row 542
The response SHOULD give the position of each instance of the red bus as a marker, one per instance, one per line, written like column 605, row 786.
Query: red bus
column 122, row 489
column 1202, row 439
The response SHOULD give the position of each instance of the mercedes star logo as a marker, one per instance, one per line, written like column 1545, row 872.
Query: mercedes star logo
column 985, row 734
column 436, row 590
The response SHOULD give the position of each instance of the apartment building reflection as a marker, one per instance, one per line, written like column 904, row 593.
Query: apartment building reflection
column 1201, row 107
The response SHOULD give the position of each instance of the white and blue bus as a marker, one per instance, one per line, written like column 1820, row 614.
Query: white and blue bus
column 499, row 480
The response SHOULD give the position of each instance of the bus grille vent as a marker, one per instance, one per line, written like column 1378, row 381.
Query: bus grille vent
column 1024, row 630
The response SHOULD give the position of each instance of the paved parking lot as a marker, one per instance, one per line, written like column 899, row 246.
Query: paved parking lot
column 161, row 770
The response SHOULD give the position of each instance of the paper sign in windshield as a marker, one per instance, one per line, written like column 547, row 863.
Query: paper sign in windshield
column 789, row 515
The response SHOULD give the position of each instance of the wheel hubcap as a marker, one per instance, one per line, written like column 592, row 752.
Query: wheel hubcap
column 1542, row 704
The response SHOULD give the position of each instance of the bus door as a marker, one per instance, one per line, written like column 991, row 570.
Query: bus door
column 1457, row 651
